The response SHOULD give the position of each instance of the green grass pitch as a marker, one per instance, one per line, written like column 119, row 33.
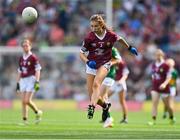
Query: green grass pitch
column 61, row 124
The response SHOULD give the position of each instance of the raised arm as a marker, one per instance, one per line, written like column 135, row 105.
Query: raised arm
column 123, row 42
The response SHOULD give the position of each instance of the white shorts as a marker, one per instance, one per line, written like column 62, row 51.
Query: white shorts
column 27, row 84
column 94, row 71
column 118, row 87
column 162, row 95
column 108, row 81
column 90, row 70
column 173, row 91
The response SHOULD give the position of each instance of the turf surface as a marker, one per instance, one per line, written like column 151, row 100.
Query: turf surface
column 58, row 124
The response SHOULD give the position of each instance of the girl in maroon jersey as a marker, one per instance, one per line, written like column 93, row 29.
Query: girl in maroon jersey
column 161, row 75
column 120, row 88
column 28, row 80
column 96, row 52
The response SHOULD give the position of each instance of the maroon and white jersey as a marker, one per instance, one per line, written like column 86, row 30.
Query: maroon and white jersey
column 28, row 65
column 121, row 70
column 99, row 49
column 159, row 74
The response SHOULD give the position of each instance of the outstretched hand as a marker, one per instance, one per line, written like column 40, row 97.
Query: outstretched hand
column 91, row 64
column 133, row 50
column 36, row 86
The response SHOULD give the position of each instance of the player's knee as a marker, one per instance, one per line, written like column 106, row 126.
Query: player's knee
column 122, row 102
column 170, row 107
column 25, row 102
column 96, row 84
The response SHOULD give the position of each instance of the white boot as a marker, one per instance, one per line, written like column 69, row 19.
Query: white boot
column 23, row 123
column 108, row 122
column 38, row 117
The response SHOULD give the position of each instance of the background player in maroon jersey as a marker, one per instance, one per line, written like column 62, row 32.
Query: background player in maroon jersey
column 161, row 75
column 28, row 80
column 120, row 88
column 96, row 52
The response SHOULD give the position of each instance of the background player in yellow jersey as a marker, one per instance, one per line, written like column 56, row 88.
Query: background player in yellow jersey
column 172, row 83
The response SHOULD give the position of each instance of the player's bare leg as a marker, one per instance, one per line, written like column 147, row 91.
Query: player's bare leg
column 100, row 75
column 27, row 101
column 105, row 106
column 110, row 93
column 30, row 103
column 94, row 83
column 33, row 106
column 124, row 106
column 169, row 103
column 104, row 102
column 171, row 109
column 106, row 117
column 91, row 108
column 24, row 110
column 89, row 81
column 165, row 113
column 155, row 101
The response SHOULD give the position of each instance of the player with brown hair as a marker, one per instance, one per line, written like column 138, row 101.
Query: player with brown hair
column 96, row 52
column 161, row 76
column 28, row 80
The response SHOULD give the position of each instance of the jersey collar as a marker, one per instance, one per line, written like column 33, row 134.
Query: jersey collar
column 101, row 37
column 25, row 56
column 159, row 63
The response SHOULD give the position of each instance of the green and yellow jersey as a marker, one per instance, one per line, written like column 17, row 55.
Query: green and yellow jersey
column 174, row 74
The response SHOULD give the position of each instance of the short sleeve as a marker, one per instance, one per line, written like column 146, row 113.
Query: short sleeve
column 37, row 63
column 19, row 67
column 114, row 36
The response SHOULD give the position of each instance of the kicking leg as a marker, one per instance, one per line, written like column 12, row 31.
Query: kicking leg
column 104, row 102
column 169, row 103
column 33, row 106
column 91, row 108
column 165, row 110
column 100, row 75
column 24, row 108
column 97, row 81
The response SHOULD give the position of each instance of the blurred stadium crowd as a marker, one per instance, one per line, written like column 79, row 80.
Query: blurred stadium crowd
column 146, row 24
